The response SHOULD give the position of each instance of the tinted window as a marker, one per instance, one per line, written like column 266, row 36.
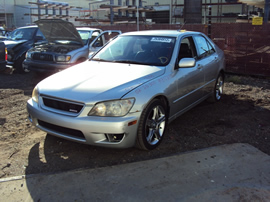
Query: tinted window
column 22, row 34
column 39, row 33
column 186, row 48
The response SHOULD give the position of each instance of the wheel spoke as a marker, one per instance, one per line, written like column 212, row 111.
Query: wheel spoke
column 150, row 135
column 155, row 113
column 161, row 119
column 219, row 88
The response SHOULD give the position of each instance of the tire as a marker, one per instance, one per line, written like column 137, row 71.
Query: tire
column 18, row 65
column 152, row 125
column 218, row 89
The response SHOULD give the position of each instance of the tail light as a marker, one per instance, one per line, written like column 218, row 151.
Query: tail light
column 6, row 54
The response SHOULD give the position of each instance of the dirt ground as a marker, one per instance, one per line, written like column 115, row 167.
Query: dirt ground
column 243, row 116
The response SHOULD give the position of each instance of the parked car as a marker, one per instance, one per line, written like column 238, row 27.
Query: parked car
column 19, row 42
column 3, row 56
column 130, row 90
column 66, row 46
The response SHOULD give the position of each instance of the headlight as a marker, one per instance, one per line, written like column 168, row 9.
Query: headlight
column 28, row 55
column 112, row 108
column 63, row 58
column 35, row 94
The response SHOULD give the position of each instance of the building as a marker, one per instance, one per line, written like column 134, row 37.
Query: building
column 17, row 13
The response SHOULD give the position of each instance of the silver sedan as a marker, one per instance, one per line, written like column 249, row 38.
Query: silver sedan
column 128, row 92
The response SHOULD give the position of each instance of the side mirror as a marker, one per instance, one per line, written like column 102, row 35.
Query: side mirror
column 97, row 44
column 187, row 62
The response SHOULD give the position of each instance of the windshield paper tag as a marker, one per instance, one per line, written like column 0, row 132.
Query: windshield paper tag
column 161, row 39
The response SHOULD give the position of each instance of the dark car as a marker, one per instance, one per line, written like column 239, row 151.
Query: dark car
column 3, row 56
column 19, row 42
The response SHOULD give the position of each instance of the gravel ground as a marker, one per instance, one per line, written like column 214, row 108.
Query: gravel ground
column 242, row 116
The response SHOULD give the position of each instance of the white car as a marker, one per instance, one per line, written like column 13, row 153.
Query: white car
column 130, row 90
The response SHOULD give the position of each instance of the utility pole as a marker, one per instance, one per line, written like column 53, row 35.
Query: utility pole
column 266, row 11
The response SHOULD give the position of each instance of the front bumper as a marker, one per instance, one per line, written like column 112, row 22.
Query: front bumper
column 113, row 132
column 39, row 66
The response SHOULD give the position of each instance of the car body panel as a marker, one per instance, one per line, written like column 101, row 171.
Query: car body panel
column 95, row 84
column 3, row 61
column 95, row 81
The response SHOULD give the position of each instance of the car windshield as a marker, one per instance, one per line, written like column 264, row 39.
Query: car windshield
column 149, row 50
column 22, row 34
column 84, row 35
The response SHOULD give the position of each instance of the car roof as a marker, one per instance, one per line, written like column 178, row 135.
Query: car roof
column 87, row 28
column 168, row 33
column 30, row 26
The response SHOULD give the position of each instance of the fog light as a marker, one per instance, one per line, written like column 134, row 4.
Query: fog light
column 114, row 137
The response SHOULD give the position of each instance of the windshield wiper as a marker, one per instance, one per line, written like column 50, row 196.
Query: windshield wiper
column 101, row 60
column 130, row 62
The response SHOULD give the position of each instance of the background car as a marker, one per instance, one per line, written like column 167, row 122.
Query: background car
column 130, row 90
column 19, row 42
column 65, row 47
column 3, row 56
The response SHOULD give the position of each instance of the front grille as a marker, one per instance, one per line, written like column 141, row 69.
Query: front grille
column 62, row 105
column 62, row 130
column 42, row 56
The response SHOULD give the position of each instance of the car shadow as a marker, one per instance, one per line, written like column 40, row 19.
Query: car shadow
column 231, row 120
column 25, row 82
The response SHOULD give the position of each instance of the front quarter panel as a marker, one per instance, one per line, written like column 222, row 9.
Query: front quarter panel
column 163, row 85
column 79, row 53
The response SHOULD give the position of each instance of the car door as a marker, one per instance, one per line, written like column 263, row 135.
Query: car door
column 102, row 39
column 207, row 57
column 190, row 79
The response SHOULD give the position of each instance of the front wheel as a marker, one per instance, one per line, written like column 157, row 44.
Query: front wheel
column 18, row 65
column 152, row 125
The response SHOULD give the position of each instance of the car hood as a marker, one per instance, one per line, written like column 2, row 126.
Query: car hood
column 11, row 43
column 57, row 29
column 93, row 81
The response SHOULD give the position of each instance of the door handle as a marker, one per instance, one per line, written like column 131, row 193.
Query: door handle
column 199, row 66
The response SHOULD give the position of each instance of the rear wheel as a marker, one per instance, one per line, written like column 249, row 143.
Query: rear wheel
column 152, row 125
column 218, row 90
